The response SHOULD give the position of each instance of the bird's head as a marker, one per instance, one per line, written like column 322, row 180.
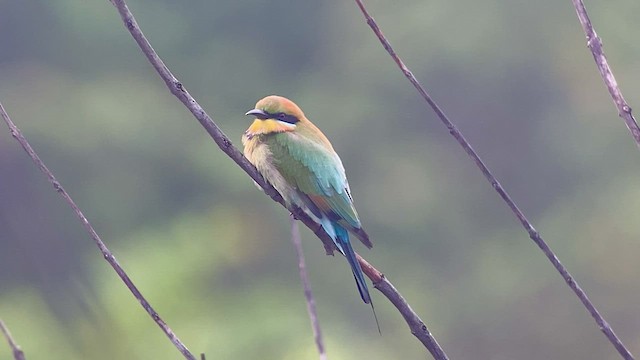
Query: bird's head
column 274, row 114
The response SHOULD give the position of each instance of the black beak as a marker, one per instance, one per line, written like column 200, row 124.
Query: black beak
column 258, row 113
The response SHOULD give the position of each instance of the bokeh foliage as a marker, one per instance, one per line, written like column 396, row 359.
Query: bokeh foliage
column 212, row 254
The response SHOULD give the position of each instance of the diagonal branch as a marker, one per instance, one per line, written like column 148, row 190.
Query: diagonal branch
column 533, row 234
column 595, row 45
column 308, row 295
column 17, row 352
column 179, row 91
column 108, row 256
column 418, row 328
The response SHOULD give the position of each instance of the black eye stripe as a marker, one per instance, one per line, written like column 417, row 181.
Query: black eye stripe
column 282, row 117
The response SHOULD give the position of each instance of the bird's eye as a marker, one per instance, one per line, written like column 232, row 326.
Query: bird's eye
column 282, row 116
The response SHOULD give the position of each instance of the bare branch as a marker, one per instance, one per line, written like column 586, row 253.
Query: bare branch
column 17, row 352
column 304, row 278
column 106, row 253
column 533, row 234
column 178, row 90
column 594, row 43
column 225, row 144
column 418, row 328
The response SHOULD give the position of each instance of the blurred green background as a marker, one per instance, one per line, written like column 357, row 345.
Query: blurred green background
column 213, row 254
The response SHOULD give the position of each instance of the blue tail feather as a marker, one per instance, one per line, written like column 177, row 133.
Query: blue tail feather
column 342, row 238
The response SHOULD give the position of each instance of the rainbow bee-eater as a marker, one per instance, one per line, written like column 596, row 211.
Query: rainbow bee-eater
column 294, row 156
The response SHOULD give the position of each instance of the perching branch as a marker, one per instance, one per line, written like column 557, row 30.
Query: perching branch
column 308, row 295
column 17, row 352
column 533, row 234
column 179, row 91
column 595, row 45
column 418, row 328
column 17, row 134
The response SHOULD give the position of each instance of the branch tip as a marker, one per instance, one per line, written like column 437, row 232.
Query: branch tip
column 17, row 352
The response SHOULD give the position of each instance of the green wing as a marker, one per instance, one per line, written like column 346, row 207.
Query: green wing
column 317, row 173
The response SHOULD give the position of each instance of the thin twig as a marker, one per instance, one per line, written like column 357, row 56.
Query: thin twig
column 17, row 352
column 308, row 295
column 533, row 234
column 17, row 134
column 179, row 91
column 594, row 43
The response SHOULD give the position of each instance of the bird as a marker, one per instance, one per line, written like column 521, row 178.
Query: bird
column 294, row 156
